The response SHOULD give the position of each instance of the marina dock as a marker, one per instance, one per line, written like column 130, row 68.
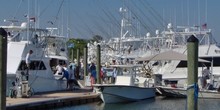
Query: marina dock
column 52, row 100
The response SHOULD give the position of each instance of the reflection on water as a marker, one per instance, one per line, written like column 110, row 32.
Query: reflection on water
column 126, row 106
column 149, row 104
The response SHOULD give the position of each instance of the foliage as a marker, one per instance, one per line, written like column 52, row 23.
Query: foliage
column 81, row 44
column 78, row 43
column 97, row 38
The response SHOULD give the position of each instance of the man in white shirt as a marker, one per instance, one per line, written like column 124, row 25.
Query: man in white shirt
column 72, row 82
column 28, row 62
column 59, row 69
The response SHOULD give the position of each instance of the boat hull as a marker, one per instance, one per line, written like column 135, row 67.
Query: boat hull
column 121, row 93
column 182, row 93
column 38, row 84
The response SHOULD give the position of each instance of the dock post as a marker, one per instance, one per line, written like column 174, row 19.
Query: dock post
column 3, row 66
column 192, row 65
column 78, row 57
column 85, row 61
column 98, row 64
column 78, row 64
column 72, row 55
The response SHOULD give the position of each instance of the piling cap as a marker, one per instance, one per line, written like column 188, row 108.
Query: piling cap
column 3, row 32
column 192, row 38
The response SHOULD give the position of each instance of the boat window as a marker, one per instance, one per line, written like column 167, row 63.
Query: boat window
column 54, row 62
column 35, row 65
column 156, row 63
column 183, row 64
column 216, row 61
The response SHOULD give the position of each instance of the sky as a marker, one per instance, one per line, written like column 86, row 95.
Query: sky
column 86, row 18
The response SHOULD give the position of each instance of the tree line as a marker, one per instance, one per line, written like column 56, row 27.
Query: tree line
column 80, row 43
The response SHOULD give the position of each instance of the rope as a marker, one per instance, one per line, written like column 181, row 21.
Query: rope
column 196, row 91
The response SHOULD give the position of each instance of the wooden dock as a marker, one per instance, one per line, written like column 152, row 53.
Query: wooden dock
column 52, row 100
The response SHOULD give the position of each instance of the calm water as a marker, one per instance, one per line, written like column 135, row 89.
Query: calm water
column 150, row 104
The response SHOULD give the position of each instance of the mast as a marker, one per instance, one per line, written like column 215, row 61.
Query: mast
column 68, row 19
column 199, row 22
column 28, row 22
column 188, row 12
column 123, row 11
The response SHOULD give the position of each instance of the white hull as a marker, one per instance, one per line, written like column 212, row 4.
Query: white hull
column 39, row 84
column 122, row 93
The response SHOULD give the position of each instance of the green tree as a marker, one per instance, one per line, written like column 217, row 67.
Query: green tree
column 97, row 38
column 78, row 43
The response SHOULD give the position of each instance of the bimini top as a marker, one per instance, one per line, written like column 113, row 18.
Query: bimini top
column 168, row 55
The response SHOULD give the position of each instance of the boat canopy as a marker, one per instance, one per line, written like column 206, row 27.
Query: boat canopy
column 168, row 55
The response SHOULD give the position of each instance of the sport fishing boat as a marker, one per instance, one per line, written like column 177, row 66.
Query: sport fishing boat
column 49, row 50
column 128, row 87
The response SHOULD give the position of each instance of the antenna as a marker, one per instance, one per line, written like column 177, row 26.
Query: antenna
column 198, row 13
column 28, row 22
column 188, row 12
column 206, row 13
column 68, row 19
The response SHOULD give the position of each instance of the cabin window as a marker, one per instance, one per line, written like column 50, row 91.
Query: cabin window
column 54, row 62
column 35, row 65
column 216, row 61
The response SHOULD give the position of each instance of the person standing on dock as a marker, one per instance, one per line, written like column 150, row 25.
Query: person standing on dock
column 65, row 74
column 72, row 80
column 205, row 76
column 114, row 74
column 59, row 69
column 93, row 72
column 28, row 62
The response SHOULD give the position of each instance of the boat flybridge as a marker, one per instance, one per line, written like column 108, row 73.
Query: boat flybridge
column 49, row 50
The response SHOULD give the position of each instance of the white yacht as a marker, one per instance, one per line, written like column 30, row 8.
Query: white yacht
column 175, row 39
column 48, row 49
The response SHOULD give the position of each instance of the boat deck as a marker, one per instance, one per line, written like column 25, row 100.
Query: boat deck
column 52, row 100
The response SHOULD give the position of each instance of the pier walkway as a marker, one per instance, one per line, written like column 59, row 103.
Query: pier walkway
column 52, row 100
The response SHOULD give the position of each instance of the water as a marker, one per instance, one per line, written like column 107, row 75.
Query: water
column 150, row 104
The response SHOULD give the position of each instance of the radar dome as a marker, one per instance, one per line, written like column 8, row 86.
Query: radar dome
column 157, row 32
column 148, row 34
column 24, row 25
column 169, row 26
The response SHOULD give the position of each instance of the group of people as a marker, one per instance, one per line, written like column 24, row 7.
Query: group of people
column 69, row 73
column 103, row 74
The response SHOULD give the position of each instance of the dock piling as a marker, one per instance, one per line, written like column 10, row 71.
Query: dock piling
column 78, row 57
column 98, row 64
column 192, row 66
column 85, row 61
column 3, row 66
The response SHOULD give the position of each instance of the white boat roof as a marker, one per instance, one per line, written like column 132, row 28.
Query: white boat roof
column 126, row 66
column 168, row 55
column 58, row 57
column 18, row 28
